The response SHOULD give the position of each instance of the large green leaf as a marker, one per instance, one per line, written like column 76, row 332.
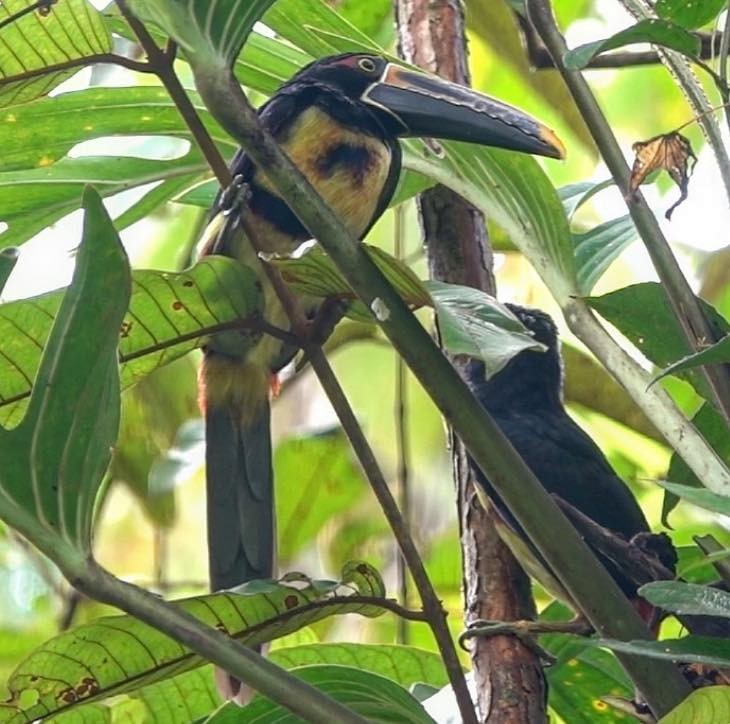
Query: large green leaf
column 212, row 32
column 700, row 496
column 406, row 665
column 689, row 598
column 581, row 675
column 54, row 460
column 37, row 49
column 35, row 198
column 38, row 134
column 316, row 479
column 710, row 705
column 651, row 30
column 716, row 354
column 372, row 696
column 475, row 324
column 641, row 312
column 118, row 654
column 689, row 13
column 712, row 426
column 596, row 249
column 689, row 650
column 167, row 317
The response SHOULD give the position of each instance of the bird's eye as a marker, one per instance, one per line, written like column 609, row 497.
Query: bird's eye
column 366, row 64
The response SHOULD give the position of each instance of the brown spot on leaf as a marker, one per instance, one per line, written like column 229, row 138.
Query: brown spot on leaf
column 187, row 283
column 177, row 305
column 126, row 329
column 363, row 569
column 291, row 601
column 68, row 696
column 45, row 10
column 670, row 152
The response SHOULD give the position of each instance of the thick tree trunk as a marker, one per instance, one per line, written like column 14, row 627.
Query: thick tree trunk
column 510, row 685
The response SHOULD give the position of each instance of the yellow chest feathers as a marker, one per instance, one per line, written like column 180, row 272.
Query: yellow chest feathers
column 348, row 169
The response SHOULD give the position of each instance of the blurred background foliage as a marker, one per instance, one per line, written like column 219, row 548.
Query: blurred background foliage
column 151, row 529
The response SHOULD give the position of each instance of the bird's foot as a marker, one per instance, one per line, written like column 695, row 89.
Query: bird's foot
column 525, row 631
column 231, row 204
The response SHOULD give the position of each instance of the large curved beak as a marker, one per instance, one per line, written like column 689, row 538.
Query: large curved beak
column 426, row 105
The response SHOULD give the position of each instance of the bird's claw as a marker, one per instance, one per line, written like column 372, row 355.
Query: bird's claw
column 234, row 196
column 524, row 631
column 321, row 325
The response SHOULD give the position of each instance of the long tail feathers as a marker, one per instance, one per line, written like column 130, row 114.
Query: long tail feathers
column 240, row 497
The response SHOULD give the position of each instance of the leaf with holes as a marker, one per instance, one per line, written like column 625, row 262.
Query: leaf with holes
column 54, row 460
column 169, row 314
column 117, row 654
column 370, row 695
column 37, row 48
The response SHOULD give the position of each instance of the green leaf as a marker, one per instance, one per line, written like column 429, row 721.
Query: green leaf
column 689, row 13
column 709, row 705
column 117, row 654
column 712, row 426
column 406, row 665
column 575, row 195
column 473, row 323
column 596, row 249
column 374, row 697
column 581, row 676
column 314, row 273
column 35, row 198
column 38, row 47
column 38, row 134
column 689, row 650
column 718, row 353
column 687, row 598
column 651, row 30
column 316, row 479
column 641, row 313
column 699, row 496
column 168, row 313
column 210, row 33
column 54, row 460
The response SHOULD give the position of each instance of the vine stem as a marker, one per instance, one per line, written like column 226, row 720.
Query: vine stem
column 161, row 62
column 685, row 306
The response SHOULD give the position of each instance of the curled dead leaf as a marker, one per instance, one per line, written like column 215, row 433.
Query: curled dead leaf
column 669, row 151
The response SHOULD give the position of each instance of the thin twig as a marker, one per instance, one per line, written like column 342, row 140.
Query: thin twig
column 722, row 60
column 430, row 600
column 401, row 442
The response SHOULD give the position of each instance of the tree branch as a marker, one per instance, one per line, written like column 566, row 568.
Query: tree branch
column 510, row 686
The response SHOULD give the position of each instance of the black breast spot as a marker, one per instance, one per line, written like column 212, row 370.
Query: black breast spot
column 357, row 159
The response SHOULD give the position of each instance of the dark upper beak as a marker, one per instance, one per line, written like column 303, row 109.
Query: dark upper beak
column 429, row 106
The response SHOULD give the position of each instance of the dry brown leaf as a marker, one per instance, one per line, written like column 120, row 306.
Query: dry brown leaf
column 669, row 151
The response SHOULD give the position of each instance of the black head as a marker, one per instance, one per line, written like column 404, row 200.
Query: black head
column 407, row 102
column 532, row 380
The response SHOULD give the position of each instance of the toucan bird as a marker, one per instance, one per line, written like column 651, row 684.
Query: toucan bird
column 339, row 120
column 525, row 400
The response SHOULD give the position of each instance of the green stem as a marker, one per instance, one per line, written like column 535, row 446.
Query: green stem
column 236, row 658
column 682, row 300
column 585, row 579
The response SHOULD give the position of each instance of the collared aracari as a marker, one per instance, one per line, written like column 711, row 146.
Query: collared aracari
column 525, row 399
column 339, row 120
